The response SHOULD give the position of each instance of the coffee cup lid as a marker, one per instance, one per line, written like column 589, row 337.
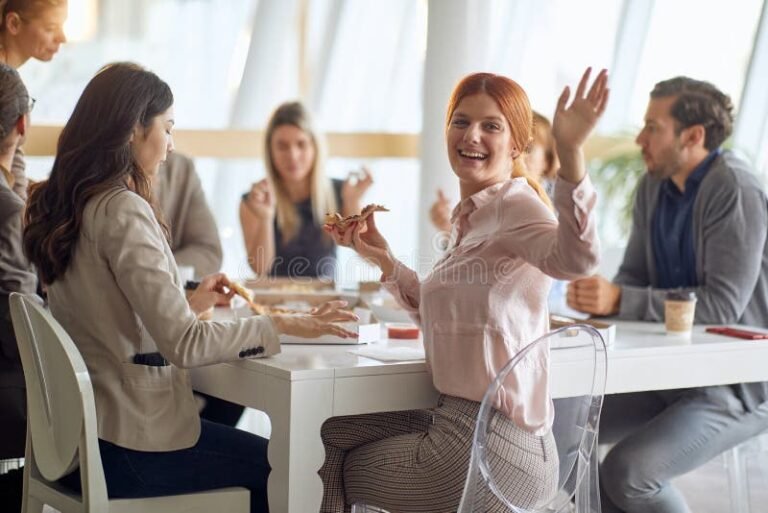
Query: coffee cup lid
column 681, row 295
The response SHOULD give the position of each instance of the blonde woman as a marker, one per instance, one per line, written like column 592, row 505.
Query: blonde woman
column 282, row 215
column 31, row 29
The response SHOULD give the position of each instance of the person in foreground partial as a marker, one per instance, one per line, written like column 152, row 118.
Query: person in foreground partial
column 700, row 223
column 416, row 461
column 16, row 275
column 102, row 250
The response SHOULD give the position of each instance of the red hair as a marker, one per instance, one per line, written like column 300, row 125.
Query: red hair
column 514, row 105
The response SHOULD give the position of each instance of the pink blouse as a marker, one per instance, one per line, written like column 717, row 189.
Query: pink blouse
column 486, row 298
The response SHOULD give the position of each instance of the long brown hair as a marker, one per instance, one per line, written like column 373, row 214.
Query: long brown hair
column 321, row 194
column 93, row 155
column 514, row 105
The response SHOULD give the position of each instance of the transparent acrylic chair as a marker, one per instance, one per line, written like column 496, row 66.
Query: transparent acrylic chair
column 61, row 429
column 745, row 464
column 575, row 430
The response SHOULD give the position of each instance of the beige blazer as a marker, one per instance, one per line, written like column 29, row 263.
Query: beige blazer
column 121, row 296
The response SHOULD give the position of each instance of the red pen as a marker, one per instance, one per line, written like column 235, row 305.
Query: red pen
column 738, row 333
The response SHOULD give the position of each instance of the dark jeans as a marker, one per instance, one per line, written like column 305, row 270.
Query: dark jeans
column 11, row 490
column 223, row 456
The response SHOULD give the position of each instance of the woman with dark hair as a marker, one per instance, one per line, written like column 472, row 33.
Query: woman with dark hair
column 103, row 253
column 416, row 461
column 282, row 215
column 16, row 275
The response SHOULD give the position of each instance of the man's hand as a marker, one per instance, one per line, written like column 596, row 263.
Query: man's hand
column 594, row 295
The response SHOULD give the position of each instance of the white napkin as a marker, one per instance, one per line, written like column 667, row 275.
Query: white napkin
column 391, row 354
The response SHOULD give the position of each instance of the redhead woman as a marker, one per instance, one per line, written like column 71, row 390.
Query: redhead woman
column 282, row 215
column 102, row 250
column 540, row 163
column 476, row 317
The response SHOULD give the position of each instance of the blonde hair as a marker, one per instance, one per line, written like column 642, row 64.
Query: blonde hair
column 321, row 193
column 542, row 135
column 514, row 105
column 26, row 8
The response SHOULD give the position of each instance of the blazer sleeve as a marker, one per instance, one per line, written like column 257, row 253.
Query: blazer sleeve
column 564, row 248
column 132, row 242
column 733, row 237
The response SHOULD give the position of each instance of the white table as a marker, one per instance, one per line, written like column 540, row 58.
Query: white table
column 305, row 385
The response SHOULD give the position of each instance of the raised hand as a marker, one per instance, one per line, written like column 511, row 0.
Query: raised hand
column 260, row 201
column 320, row 321
column 366, row 240
column 573, row 123
column 355, row 187
column 440, row 212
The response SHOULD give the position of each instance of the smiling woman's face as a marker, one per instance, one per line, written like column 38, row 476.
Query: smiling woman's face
column 479, row 141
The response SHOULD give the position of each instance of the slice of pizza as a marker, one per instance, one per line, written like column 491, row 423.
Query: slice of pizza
column 242, row 292
column 342, row 223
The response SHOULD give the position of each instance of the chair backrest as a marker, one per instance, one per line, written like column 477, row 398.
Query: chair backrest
column 575, row 428
column 61, row 413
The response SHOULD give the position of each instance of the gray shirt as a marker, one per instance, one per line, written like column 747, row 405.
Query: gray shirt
column 16, row 273
column 730, row 229
column 194, row 235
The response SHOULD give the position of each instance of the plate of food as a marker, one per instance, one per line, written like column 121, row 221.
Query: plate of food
column 367, row 326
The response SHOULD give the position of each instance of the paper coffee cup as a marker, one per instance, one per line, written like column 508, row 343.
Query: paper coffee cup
column 679, row 310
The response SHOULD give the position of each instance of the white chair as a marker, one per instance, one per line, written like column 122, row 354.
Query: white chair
column 62, row 434
column 575, row 431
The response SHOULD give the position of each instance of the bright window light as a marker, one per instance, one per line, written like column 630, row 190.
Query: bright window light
column 81, row 22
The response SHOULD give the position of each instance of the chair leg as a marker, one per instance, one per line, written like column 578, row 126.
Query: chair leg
column 737, row 479
column 31, row 505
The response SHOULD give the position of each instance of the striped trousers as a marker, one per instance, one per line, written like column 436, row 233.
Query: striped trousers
column 416, row 461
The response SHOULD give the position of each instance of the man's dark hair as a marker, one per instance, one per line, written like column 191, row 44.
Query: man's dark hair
column 698, row 103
